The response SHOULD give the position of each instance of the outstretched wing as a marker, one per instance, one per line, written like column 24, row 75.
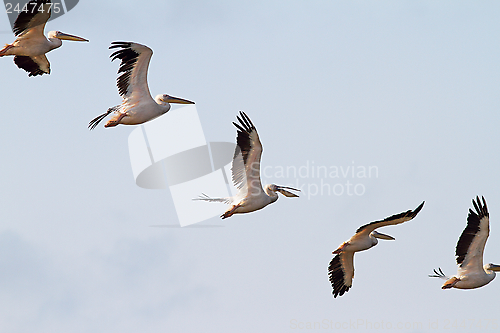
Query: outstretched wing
column 37, row 13
column 133, row 82
column 246, row 160
column 391, row 220
column 470, row 245
column 341, row 272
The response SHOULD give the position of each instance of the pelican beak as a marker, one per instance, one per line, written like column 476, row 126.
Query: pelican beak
column 494, row 267
column 63, row 36
column 172, row 99
column 287, row 193
column 382, row 236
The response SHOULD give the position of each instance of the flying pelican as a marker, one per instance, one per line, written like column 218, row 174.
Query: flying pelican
column 246, row 174
column 341, row 268
column 469, row 251
column 137, row 106
column 31, row 45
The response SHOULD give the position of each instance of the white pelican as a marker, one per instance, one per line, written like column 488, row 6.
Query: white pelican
column 341, row 268
column 137, row 106
column 469, row 251
column 246, row 174
column 31, row 45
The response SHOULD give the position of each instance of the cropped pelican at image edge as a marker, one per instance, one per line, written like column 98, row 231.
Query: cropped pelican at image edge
column 469, row 251
column 30, row 46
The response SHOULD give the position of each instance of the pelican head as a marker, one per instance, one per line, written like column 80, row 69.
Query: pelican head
column 375, row 234
column 63, row 36
column 381, row 236
column 281, row 189
column 492, row 267
column 165, row 99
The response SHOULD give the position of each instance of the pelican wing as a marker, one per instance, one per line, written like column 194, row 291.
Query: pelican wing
column 133, row 82
column 246, row 160
column 37, row 14
column 33, row 65
column 341, row 272
column 391, row 220
column 470, row 245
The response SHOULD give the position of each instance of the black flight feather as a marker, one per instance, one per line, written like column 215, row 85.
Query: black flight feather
column 128, row 59
column 28, row 65
column 472, row 228
column 410, row 214
column 336, row 275
column 24, row 19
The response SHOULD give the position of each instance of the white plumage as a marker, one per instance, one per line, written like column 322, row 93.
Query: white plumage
column 341, row 268
column 246, row 174
column 137, row 105
column 30, row 46
column 469, row 252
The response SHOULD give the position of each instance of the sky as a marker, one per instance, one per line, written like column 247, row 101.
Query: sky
column 409, row 89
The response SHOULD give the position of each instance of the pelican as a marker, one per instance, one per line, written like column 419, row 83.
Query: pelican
column 246, row 174
column 31, row 45
column 469, row 252
column 137, row 106
column 341, row 268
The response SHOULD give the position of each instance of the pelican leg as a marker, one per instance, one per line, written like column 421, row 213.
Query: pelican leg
column 341, row 248
column 5, row 49
column 115, row 120
column 450, row 283
column 230, row 212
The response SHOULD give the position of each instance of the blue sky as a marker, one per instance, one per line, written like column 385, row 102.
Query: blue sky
column 410, row 87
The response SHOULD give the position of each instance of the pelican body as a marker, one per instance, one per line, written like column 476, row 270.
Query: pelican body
column 246, row 174
column 30, row 46
column 471, row 273
column 137, row 106
column 341, row 268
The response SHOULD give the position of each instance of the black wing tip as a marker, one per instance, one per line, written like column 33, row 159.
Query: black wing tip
column 473, row 226
column 245, row 124
column 417, row 210
column 94, row 122
column 409, row 213
column 481, row 208
column 336, row 277
column 241, row 129
column 24, row 18
column 120, row 44
column 340, row 292
column 125, row 47
column 36, row 73
column 412, row 213
column 244, row 115
column 128, row 59
column 437, row 274
column 247, row 120
column 29, row 65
